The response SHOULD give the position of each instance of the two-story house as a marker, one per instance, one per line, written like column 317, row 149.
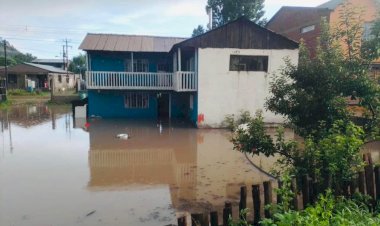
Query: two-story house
column 200, row 79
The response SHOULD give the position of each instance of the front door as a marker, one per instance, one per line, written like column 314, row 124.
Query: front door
column 163, row 103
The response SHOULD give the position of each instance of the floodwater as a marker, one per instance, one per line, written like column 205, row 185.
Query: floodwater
column 57, row 172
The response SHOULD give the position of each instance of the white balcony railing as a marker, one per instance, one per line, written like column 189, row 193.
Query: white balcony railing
column 185, row 81
column 179, row 81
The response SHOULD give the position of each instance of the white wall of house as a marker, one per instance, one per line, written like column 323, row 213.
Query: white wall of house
column 61, row 82
column 222, row 92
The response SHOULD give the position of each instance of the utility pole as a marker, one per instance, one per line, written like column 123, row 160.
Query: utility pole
column 5, row 69
column 63, row 57
column 66, row 53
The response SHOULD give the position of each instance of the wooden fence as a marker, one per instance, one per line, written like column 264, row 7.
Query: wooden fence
column 367, row 182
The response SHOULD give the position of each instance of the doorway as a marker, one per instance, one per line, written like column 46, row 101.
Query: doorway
column 163, row 106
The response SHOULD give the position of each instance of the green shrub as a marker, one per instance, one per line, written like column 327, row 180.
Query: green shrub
column 231, row 122
column 328, row 210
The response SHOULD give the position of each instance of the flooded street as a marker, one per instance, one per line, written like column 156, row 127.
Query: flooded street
column 54, row 174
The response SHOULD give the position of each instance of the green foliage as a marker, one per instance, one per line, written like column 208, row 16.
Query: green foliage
column 242, row 221
column 198, row 31
column 78, row 64
column 231, row 122
column 371, row 47
column 286, row 194
column 21, row 58
column 13, row 55
column 329, row 210
column 224, row 11
column 331, row 160
column 315, row 91
column 22, row 92
column 10, row 61
column 5, row 104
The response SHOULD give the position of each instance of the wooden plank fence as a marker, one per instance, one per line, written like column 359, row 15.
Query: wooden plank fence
column 367, row 182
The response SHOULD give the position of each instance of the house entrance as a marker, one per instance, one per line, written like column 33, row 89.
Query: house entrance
column 163, row 103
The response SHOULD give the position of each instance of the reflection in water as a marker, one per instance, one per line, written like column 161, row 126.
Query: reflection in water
column 57, row 175
column 199, row 166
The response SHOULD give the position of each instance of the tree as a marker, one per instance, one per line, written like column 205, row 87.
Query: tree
column 224, row 11
column 198, row 31
column 315, row 91
column 371, row 47
column 78, row 64
column 21, row 58
column 10, row 61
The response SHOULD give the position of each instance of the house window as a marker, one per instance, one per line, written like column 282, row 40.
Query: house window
column 162, row 67
column 367, row 29
column 248, row 63
column 60, row 78
column 137, row 100
column 139, row 65
column 67, row 79
column 307, row 29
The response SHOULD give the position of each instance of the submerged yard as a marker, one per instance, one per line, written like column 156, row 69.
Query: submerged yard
column 54, row 174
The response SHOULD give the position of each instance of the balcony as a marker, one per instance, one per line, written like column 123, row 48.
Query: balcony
column 180, row 81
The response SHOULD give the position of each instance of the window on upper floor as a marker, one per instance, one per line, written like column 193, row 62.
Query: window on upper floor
column 367, row 29
column 59, row 78
column 137, row 100
column 307, row 29
column 139, row 65
column 248, row 63
column 162, row 67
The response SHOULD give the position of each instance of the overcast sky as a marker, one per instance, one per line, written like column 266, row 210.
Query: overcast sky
column 40, row 26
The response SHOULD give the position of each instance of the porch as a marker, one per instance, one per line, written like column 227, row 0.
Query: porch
column 180, row 81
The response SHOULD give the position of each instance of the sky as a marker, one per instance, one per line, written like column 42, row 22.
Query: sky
column 40, row 27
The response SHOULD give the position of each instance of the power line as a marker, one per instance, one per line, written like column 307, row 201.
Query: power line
column 34, row 40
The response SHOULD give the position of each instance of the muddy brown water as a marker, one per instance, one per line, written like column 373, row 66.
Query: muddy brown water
column 55, row 172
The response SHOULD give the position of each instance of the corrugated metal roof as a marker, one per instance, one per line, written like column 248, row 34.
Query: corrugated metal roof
column 60, row 61
column 131, row 43
column 331, row 4
column 48, row 68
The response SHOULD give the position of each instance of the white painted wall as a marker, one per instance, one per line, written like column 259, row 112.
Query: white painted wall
column 222, row 92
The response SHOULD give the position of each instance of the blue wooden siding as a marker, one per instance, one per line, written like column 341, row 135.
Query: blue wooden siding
column 110, row 104
column 111, row 61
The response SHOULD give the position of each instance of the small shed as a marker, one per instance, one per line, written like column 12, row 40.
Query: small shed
column 24, row 75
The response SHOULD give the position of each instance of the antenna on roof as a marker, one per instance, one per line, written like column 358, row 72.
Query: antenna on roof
column 209, row 13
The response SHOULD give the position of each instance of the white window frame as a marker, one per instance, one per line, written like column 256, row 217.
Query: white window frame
column 142, row 64
column 136, row 100
column 240, row 63
column 307, row 29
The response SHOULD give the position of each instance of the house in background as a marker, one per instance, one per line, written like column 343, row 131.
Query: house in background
column 58, row 63
column 22, row 76
column 201, row 79
column 305, row 22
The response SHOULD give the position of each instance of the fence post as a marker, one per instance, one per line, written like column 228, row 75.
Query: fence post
column 305, row 191
column 377, row 182
column 214, row 218
column 256, row 203
column 361, row 182
column 227, row 212
column 268, row 199
column 368, row 169
column 182, row 221
column 279, row 186
column 354, row 184
column 198, row 219
column 243, row 202
column 294, row 189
